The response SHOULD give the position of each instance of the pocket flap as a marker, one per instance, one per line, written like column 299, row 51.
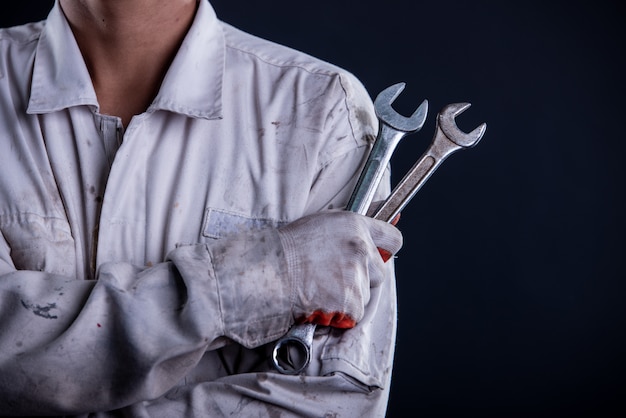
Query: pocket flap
column 220, row 223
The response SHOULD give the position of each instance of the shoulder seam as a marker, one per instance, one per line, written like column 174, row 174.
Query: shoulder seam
column 286, row 65
column 319, row 64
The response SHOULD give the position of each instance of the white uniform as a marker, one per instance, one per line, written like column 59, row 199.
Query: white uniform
column 107, row 295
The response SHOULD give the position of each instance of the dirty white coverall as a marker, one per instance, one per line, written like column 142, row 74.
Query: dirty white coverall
column 243, row 135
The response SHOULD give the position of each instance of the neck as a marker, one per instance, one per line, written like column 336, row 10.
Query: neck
column 128, row 46
column 129, row 22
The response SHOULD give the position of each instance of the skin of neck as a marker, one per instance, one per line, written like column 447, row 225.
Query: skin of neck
column 128, row 46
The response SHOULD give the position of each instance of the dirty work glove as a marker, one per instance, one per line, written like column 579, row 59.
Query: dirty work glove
column 319, row 268
column 334, row 258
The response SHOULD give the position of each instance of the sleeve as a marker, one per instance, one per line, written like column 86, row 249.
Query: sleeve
column 62, row 340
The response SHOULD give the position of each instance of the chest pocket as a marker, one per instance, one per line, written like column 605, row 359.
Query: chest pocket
column 220, row 223
column 40, row 243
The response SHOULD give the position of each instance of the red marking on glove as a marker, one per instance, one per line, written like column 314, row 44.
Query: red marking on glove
column 333, row 319
column 386, row 255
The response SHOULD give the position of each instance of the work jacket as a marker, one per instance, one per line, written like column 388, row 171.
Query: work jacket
column 108, row 298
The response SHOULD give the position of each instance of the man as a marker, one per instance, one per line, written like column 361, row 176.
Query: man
column 170, row 204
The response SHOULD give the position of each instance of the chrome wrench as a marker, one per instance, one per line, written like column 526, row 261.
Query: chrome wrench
column 292, row 352
column 392, row 128
column 447, row 140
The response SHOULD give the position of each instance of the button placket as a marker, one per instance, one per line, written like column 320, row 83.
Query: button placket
column 122, row 217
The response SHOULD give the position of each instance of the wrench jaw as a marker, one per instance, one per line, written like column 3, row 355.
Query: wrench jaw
column 386, row 114
column 446, row 122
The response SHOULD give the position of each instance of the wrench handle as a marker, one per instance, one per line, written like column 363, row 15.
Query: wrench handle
column 440, row 149
column 372, row 173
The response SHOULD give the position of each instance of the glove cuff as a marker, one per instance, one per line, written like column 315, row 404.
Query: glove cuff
column 253, row 285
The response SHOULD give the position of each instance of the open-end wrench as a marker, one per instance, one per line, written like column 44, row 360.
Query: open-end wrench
column 447, row 140
column 392, row 128
column 292, row 352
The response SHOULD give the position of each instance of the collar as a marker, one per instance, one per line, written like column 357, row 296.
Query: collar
column 192, row 85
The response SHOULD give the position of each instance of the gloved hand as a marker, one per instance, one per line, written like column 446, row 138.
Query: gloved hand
column 334, row 258
column 319, row 268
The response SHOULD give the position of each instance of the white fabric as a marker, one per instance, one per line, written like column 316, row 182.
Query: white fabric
column 107, row 295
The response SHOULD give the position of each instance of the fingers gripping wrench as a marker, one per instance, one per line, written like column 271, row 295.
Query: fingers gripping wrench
column 292, row 352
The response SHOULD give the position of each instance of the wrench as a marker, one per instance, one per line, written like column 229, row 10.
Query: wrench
column 392, row 128
column 447, row 140
column 292, row 352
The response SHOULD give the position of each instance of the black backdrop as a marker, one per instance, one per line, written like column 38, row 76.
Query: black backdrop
column 511, row 280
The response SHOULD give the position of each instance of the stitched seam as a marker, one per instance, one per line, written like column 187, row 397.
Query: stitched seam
column 348, row 108
column 20, row 218
column 302, row 67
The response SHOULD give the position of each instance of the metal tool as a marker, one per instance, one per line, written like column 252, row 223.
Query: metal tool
column 392, row 128
column 292, row 352
column 447, row 140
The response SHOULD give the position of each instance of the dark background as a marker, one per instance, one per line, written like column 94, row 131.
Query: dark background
column 511, row 280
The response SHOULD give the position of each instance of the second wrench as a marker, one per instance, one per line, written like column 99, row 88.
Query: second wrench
column 447, row 140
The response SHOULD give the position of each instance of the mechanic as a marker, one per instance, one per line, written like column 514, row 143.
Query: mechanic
column 171, row 195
